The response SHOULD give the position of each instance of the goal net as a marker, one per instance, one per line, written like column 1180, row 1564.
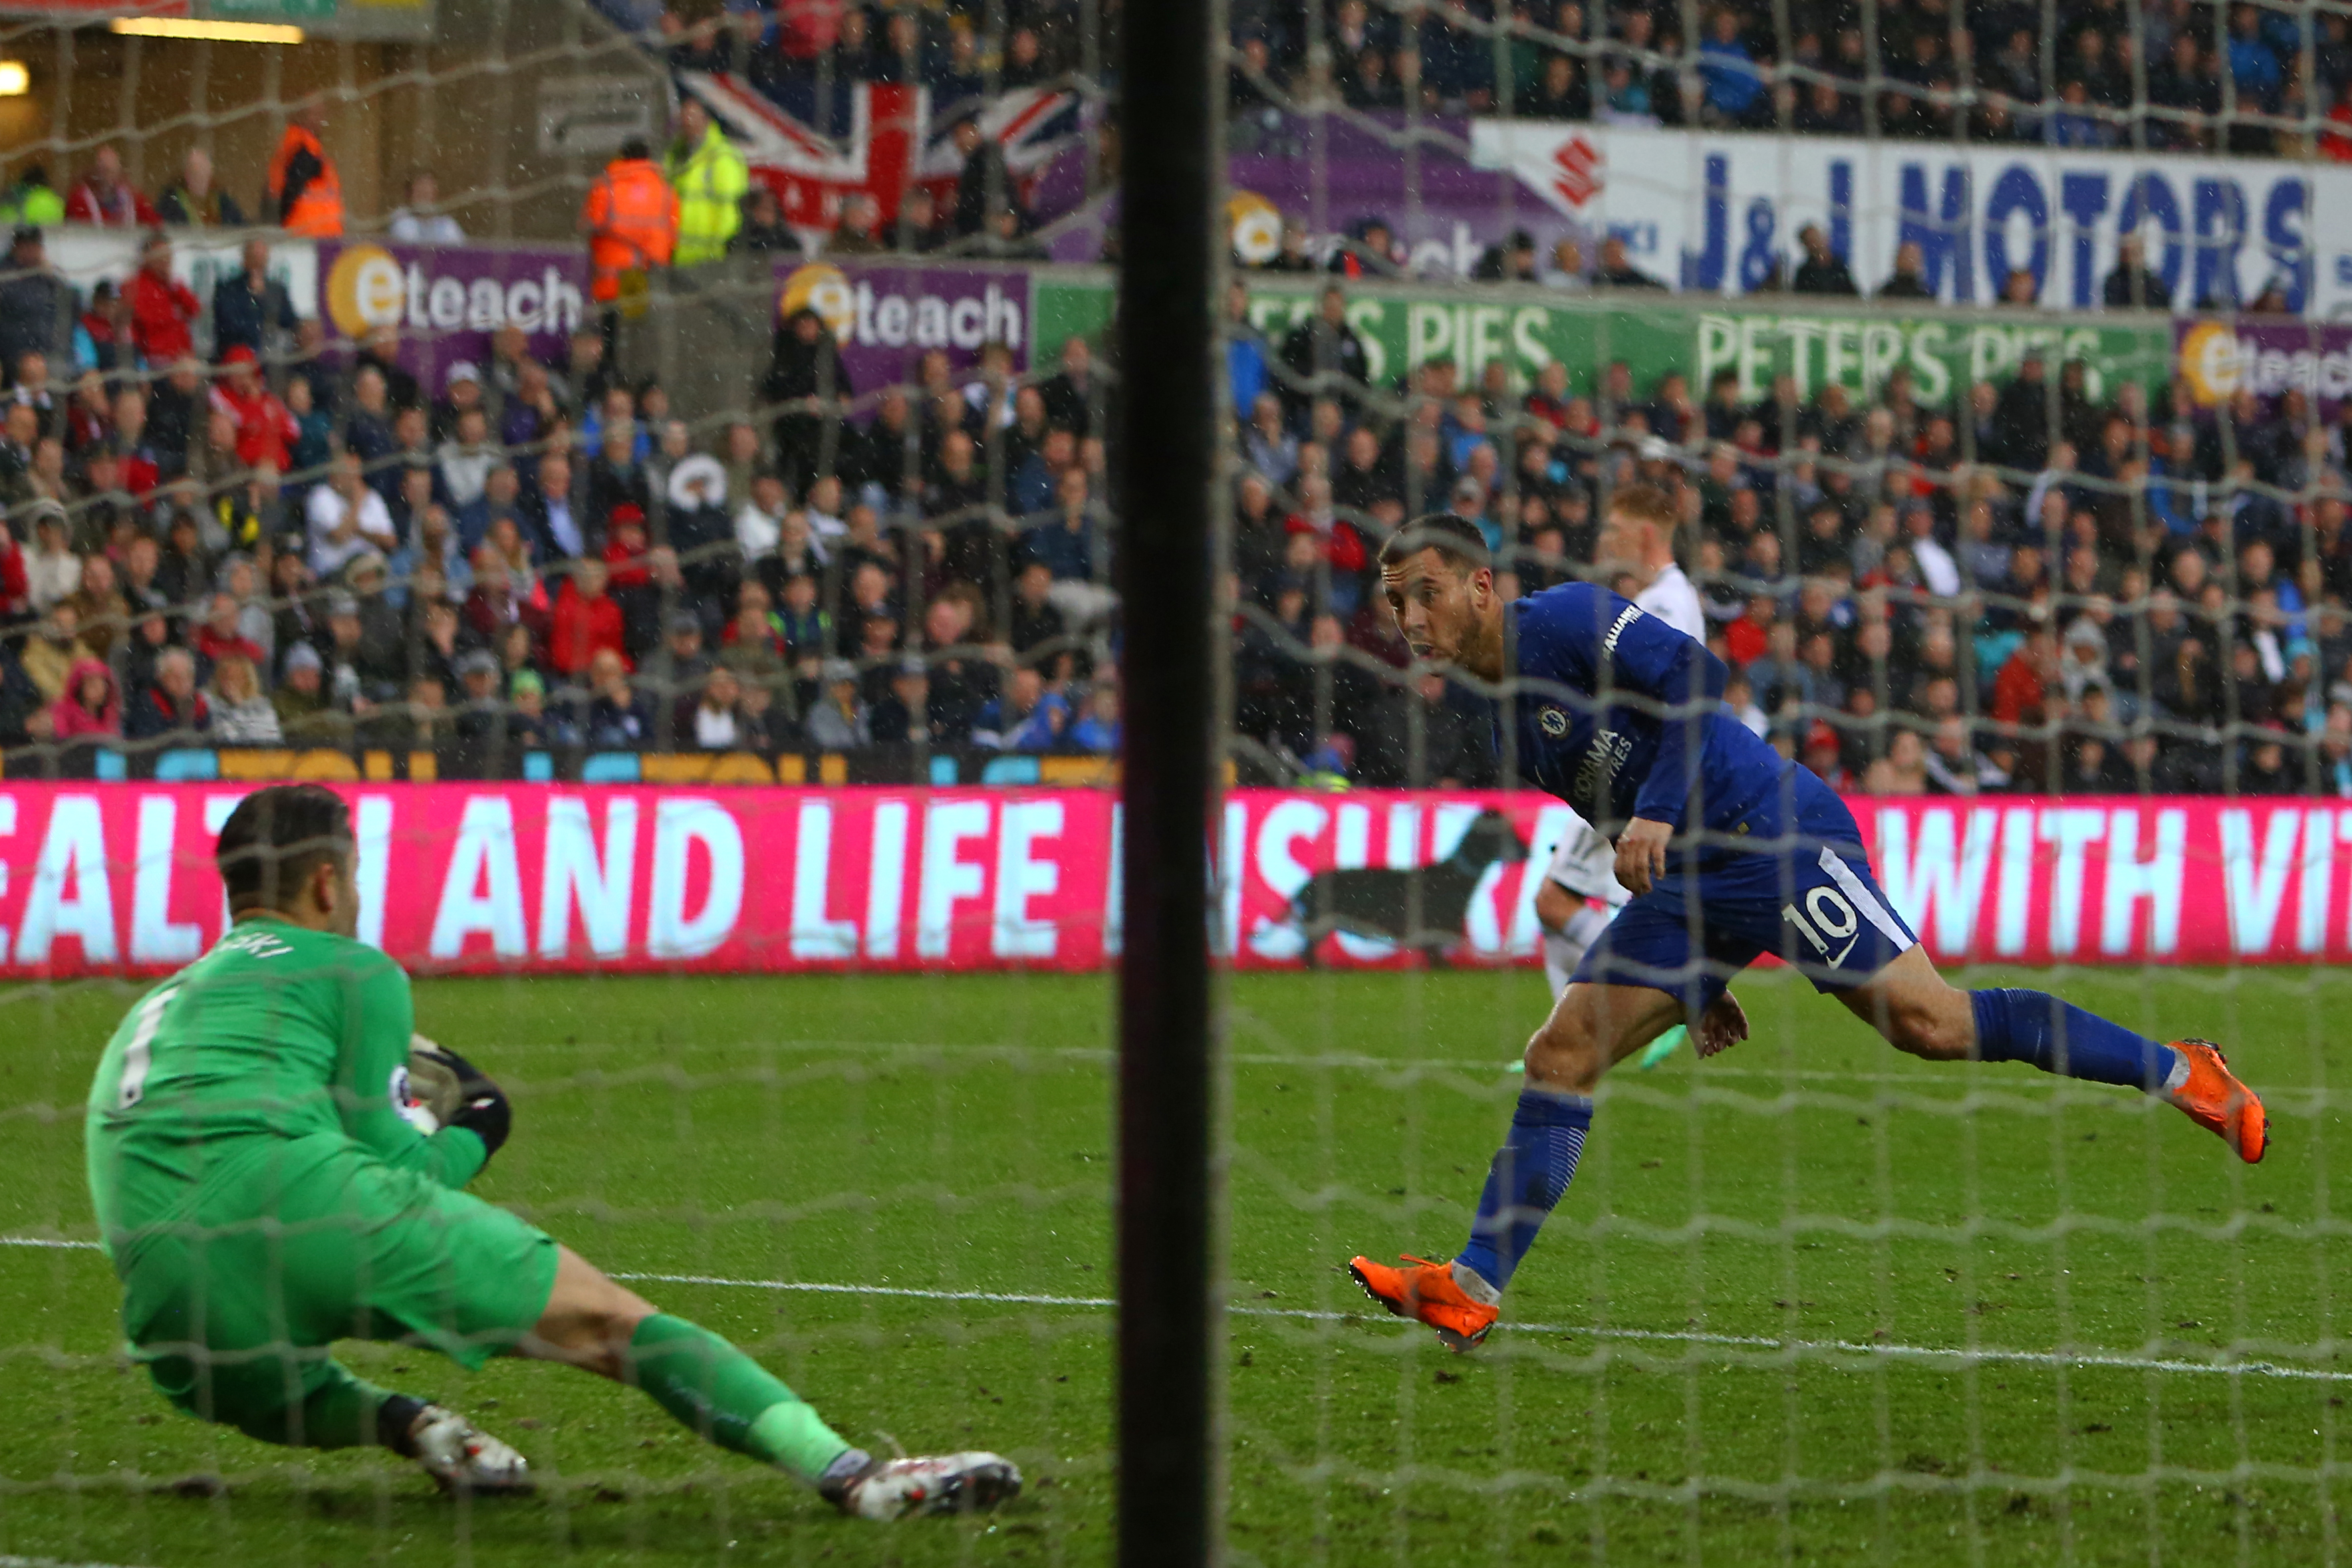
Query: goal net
column 721, row 662
column 2009, row 486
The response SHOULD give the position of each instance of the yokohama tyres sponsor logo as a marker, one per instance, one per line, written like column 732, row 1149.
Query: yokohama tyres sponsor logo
column 1596, row 773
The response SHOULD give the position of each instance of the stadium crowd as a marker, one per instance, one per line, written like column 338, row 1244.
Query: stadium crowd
column 2171, row 75
column 2049, row 585
column 2244, row 79
column 300, row 190
column 2235, row 76
column 275, row 547
column 701, row 202
column 811, row 57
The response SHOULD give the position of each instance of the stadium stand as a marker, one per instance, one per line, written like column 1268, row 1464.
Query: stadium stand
column 2251, row 81
column 2047, row 580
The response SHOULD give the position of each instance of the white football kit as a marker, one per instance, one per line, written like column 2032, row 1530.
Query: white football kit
column 1672, row 600
column 1586, row 864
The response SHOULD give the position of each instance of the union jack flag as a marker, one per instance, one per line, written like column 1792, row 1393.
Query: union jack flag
column 1032, row 124
column 891, row 142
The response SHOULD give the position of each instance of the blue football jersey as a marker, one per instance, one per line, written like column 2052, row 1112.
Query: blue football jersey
column 1621, row 716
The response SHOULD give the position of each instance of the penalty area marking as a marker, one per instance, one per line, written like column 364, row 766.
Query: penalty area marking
column 1859, row 1349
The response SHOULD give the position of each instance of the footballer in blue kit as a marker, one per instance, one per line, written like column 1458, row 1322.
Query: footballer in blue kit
column 1730, row 852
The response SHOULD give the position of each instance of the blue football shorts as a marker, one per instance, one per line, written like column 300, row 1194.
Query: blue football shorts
column 1788, row 878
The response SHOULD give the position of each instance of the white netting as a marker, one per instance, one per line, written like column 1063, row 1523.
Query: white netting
column 2054, row 592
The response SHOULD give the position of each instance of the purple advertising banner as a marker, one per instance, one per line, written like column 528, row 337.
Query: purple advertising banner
column 1331, row 174
column 887, row 317
column 2218, row 359
column 445, row 302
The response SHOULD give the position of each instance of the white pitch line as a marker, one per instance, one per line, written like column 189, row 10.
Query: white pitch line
column 808, row 1287
column 7, row 1561
column 55, row 1244
column 1958, row 1355
column 1671, row 1336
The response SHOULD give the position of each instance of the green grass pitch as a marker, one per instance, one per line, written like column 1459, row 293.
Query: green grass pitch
column 1735, row 1342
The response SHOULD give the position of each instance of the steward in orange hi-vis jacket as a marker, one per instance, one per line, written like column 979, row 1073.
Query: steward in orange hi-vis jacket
column 631, row 219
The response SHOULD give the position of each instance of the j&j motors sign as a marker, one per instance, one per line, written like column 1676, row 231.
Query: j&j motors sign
column 1715, row 212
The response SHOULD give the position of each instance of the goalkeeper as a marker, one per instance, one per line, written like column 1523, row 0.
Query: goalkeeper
column 265, row 1188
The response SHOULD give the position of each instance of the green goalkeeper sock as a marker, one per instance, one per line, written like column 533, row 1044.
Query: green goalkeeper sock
column 1659, row 1049
column 726, row 1397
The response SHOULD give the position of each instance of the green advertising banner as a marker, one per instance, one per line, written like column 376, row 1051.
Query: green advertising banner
column 1403, row 327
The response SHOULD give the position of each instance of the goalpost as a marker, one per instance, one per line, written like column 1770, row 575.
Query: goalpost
column 1171, row 1316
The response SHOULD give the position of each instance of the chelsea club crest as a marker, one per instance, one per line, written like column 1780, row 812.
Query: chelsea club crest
column 1554, row 722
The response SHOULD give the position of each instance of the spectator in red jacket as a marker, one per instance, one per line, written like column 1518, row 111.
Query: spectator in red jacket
column 1746, row 640
column 222, row 633
column 587, row 621
column 624, row 547
column 2336, row 143
column 1339, row 542
column 163, row 310
column 807, row 28
column 2025, row 678
column 15, row 579
column 107, row 322
column 87, row 705
column 102, row 198
column 264, row 430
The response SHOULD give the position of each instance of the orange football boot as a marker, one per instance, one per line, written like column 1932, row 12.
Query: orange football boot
column 2216, row 1102
column 1427, row 1291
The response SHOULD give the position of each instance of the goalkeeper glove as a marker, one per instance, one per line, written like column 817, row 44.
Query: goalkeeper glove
column 482, row 1106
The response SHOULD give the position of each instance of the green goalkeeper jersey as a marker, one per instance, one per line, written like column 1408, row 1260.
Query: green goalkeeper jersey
column 278, row 1032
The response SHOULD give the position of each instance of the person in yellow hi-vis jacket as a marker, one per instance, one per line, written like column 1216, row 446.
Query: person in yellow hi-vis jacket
column 710, row 178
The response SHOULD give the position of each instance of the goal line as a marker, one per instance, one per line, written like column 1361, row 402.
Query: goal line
column 1828, row 1352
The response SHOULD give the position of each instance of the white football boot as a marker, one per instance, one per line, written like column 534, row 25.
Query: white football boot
column 931, row 1483
column 463, row 1459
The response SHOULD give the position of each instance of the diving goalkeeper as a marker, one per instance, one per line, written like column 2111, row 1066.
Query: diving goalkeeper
column 263, row 1192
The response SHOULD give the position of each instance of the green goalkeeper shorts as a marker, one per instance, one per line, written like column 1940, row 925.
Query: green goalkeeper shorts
column 290, row 1244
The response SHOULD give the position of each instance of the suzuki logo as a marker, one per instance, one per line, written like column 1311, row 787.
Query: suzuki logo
column 1579, row 162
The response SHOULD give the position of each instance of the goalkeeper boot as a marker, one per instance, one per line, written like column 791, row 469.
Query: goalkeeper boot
column 1430, row 1292
column 2203, row 1085
column 866, row 1488
column 463, row 1459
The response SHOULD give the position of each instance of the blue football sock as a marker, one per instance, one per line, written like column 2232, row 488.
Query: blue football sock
column 1529, row 1173
column 2058, row 1036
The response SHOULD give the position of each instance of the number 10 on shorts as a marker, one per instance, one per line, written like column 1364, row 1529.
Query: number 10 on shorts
column 1827, row 916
